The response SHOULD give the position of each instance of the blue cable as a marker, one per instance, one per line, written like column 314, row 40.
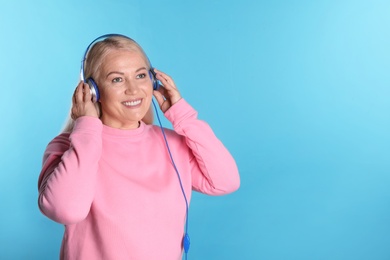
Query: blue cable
column 186, row 238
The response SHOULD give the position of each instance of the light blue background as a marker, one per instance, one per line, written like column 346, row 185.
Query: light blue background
column 297, row 90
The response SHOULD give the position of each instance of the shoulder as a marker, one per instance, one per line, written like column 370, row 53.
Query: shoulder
column 58, row 145
column 62, row 138
column 156, row 129
column 159, row 132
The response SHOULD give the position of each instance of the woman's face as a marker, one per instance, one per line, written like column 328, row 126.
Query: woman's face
column 125, row 88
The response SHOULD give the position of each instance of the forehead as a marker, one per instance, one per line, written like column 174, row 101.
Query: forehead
column 123, row 59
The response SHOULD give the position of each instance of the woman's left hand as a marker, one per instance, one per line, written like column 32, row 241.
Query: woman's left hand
column 168, row 94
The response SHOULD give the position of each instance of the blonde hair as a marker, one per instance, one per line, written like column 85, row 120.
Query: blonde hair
column 93, row 61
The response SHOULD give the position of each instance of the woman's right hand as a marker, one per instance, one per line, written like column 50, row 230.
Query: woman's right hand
column 82, row 104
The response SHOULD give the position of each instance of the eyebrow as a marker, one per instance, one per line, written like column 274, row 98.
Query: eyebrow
column 122, row 73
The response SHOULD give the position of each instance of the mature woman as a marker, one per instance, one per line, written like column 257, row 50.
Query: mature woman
column 120, row 186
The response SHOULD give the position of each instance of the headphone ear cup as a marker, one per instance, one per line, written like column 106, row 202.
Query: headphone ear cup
column 94, row 90
column 152, row 76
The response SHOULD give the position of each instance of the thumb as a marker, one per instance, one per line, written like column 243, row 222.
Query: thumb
column 159, row 97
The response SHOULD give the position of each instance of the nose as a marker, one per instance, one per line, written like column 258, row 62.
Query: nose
column 131, row 88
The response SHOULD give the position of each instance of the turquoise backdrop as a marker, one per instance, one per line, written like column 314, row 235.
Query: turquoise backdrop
column 299, row 92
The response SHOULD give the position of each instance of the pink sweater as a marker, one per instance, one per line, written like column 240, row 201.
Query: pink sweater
column 116, row 190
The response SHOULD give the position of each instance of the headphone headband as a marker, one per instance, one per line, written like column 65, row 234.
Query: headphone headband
column 100, row 38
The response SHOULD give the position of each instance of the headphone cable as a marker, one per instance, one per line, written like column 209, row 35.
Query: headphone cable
column 186, row 238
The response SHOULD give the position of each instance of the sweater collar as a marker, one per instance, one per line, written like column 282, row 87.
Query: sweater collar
column 116, row 132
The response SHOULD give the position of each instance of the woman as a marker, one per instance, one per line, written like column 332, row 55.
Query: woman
column 110, row 178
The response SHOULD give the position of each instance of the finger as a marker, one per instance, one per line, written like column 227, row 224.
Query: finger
column 74, row 93
column 78, row 95
column 87, row 93
column 163, row 91
column 171, row 93
column 164, row 78
column 159, row 97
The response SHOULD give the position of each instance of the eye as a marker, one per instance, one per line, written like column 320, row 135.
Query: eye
column 141, row 76
column 116, row 80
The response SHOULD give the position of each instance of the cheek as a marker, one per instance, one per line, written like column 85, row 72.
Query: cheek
column 148, row 89
column 109, row 94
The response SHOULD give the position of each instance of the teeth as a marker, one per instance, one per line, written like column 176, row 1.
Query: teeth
column 132, row 103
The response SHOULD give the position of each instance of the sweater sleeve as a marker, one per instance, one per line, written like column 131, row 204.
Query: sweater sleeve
column 214, row 169
column 67, row 180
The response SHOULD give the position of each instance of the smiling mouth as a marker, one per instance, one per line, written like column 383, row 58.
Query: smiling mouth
column 132, row 103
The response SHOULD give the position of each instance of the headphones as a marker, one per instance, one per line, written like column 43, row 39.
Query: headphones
column 91, row 82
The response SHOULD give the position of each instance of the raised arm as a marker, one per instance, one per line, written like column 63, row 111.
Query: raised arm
column 67, row 180
column 214, row 169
